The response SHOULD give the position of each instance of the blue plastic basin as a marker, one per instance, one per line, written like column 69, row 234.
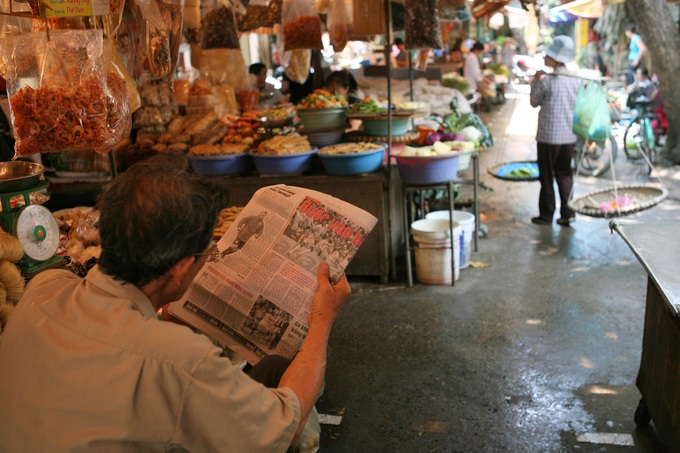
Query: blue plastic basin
column 353, row 164
column 283, row 164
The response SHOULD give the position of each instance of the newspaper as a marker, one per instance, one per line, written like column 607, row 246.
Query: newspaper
column 255, row 295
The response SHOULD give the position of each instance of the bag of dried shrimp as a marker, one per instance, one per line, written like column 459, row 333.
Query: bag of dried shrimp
column 61, row 96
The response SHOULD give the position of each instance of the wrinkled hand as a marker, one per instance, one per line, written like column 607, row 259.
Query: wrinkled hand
column 329, row 298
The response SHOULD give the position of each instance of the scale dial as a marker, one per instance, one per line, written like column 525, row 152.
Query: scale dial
column 37, row 231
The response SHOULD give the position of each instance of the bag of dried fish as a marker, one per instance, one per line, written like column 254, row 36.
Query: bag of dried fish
column 301, row 25
column 422, row 27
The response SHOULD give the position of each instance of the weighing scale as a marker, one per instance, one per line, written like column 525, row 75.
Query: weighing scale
column 34, row 225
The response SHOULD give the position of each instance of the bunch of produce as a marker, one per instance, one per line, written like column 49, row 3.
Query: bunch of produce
column 438, row 149
column 11, row 282
column 469, row 125
column 365, row 106
column 500, row 69
column 456, row 81
column 321, row 99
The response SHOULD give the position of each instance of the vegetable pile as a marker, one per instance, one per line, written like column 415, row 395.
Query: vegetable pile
column 320, row 99
column 366, row 105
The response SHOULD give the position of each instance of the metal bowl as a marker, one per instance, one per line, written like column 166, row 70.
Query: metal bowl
column 18, row 175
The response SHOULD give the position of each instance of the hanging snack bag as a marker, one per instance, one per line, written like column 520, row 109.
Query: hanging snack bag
column 369, row 18
column 422, row 27
column 219, row 29
column 301, row 25
column 338, row 25
column 259, row 14
column 297, row 64
column 62, row 97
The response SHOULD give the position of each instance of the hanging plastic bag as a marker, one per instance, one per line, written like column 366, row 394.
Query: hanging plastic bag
column 219, row 29
column 338, row 25
column 369, row 18
column 591, row 112
column 296, row 64
column 163, row 31
column 422, row 27
column 259, row 14
column 62, row 97
column 301, row 25
column 223, row 66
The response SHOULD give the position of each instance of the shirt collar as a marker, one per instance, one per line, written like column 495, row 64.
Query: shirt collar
column 122, row 290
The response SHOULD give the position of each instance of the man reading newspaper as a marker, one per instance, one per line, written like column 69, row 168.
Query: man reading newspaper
column 87, row 365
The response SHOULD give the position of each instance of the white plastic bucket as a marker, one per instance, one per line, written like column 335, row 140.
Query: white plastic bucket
column 433, row 250
column 466, row 221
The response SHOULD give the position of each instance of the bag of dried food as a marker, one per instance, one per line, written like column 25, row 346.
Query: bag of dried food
column 62, row 97
column 422, row 27
column 259, row 14
column 219, row 28
column 223, row 66
column 369, row 18
column 296, row 64
column 338, row 25
column 163, row 31
column 301, row 25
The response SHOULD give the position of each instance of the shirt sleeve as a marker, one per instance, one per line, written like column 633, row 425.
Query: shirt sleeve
column 537, row 92
column 225, row 410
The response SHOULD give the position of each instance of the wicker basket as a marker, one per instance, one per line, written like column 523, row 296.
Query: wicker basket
column 640, row 197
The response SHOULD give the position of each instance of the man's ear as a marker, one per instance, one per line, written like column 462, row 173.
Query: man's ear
column 181, row 268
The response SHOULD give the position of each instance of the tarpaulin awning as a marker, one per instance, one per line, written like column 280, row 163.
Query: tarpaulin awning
column 587, row 9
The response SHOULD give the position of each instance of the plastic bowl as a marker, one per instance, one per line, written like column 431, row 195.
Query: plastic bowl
column 322, row 119
column 283, row 164
column 227, row 164
column 428, row 169
column 353, row 164
column 378, row 128
column 323, row 138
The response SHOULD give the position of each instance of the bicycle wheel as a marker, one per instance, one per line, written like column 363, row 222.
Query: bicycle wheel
column 636, row 139
column 598, row 156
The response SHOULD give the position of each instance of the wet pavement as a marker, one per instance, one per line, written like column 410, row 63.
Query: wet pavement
column 536, row 350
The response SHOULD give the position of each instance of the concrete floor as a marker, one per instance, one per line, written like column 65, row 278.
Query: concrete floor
column 538, row 352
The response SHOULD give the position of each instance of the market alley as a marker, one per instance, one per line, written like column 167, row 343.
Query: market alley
column 535, row 349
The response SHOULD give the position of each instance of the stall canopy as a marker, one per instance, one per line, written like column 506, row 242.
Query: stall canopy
column 586, row 9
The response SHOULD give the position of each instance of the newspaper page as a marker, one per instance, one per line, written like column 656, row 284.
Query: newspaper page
column 255, row 295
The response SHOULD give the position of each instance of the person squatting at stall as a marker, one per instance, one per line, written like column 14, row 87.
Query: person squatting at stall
column 87, row 365
column 556, row 96
column 269, row 96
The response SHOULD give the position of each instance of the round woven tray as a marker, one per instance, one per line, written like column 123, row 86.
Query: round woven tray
column 359, row 136
column 641, row 197
column 502, row 170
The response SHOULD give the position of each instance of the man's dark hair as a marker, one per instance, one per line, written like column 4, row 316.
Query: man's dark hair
column 398, row 41
column 256, row 68
column 153, row 215
column 344, row 79
column 477, row 46
column 631, row 28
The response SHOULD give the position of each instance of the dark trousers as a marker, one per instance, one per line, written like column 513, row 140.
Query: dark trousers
column 269, row 370
column 554, row 162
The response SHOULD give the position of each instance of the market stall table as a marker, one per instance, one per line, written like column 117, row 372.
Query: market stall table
column 657, row 248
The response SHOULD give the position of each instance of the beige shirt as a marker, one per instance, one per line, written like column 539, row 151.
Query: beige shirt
column 86, row 365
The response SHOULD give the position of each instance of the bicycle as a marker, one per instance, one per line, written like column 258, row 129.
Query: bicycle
column 640, row 138
column 593, row 158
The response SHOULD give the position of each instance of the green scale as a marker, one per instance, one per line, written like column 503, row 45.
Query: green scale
column 33, row 225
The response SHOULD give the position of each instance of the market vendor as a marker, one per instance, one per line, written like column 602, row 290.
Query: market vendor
column 344, row 83
column 87, row 365
column 269, row 96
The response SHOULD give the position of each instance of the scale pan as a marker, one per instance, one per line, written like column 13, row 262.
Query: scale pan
column 18, row 175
